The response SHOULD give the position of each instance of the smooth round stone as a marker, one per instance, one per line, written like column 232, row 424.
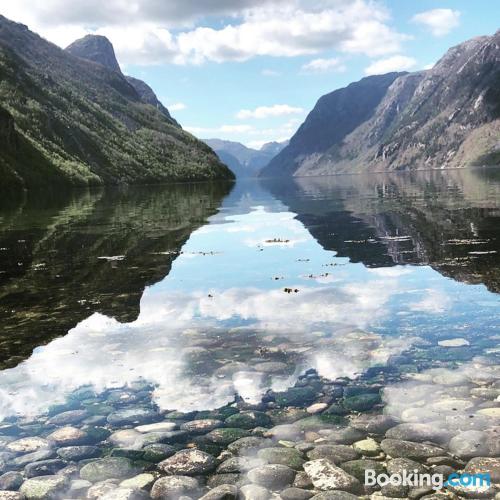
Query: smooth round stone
column 222, row 492
column 141, row 481
column 407, row 449
column 246, row 445
column 43, row 487
column 236, row 479
column 286, row 415
column 373, row 424
column 284, row 456
column 36, row 456
column 173, row 487
column 107, row 468
column 158, row 427
column 248, row 420
column 356, row 468
column 272, row 476
column 344, row 435
column 362, row 402
column 316, row 408
column 190, row 462
column 11, row 481
column 254, row 492
column 43, row 468
column 326, row 476
column 271, row 367
column 295, row 396
column 68, row 417
column 419, row 433
column 239, row 464
column 68, row 436
column 125, row 494
column 28, row 445
column 157, row 452
column 163, row 437
column 480, row 465
column 127, row 438
column 201, row 426
column 458, row 342
column 226, row 435
column 336, row 453
column 368, row 447
column 470, row 444
column 295, row 494
column 395, row 490
column 132, row 416
column 77, row 453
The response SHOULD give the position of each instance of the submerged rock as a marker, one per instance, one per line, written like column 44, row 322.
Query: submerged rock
column 272, row 476
column 190, row 462
column 407, row 449
column 222, row 492
column 284, row 456
column 173, row 487
column 326, row 476
column 107, row 468
column 43, row 487
column 336, row 453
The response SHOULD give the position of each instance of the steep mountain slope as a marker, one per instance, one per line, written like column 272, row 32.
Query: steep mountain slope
column 244, row 161
column 99, row 49
column 76, row 122
column 335, row 116
column 444, row 117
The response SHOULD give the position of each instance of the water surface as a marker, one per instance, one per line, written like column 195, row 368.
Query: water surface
column 210, row 292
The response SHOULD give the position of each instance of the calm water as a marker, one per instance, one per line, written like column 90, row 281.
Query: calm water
column 195, row 289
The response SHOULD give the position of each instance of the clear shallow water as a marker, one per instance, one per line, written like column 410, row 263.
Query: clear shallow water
column 195, row 289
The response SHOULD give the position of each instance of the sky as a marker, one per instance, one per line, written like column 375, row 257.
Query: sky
column 251, row 70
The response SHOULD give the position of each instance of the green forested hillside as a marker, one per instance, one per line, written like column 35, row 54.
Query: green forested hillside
column 65, row 120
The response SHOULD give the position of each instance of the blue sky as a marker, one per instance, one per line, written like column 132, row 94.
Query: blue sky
column 250, row 70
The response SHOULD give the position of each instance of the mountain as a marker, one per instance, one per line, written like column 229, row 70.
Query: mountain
column 95, row 48
column 70, row 121
column 444, row 117
column 244, row 161
column 99, row 49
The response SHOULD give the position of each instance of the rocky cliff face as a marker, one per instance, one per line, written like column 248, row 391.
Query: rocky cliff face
column 95, row 48
column 444, row 117
column 335, row 116
column 82, row 123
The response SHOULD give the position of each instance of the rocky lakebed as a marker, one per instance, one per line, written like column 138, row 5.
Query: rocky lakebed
column 417, row 412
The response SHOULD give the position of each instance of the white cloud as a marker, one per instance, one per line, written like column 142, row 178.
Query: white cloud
column 439, row 21
column 279, row 28
column 268, row 111
column 324, row 65
column 177, row 106
column 393, row 63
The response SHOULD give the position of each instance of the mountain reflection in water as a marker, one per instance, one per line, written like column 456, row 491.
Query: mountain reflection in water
column 220, row 322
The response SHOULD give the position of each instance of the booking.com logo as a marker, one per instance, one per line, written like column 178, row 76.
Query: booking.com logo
column 435, row 481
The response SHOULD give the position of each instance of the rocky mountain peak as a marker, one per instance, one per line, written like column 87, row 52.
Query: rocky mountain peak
column 96, row 48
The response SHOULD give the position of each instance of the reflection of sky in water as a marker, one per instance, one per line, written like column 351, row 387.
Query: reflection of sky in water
column 199, row 332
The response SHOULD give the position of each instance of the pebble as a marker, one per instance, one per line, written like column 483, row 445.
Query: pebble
column 158, row 427
column 67, row 436
column 43, row 468
column 107, row 468
column 222, row 492
column 77, row 453
column 254, row 492
column 201, row 426
column 336, row 453
column 28, row 445
column 407, row 449
column 458, row 342
column 317, row 408
column 284, row 456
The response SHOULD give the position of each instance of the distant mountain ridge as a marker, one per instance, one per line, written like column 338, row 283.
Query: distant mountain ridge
column 444, row 117
column 65, row 120
column 242, row 160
